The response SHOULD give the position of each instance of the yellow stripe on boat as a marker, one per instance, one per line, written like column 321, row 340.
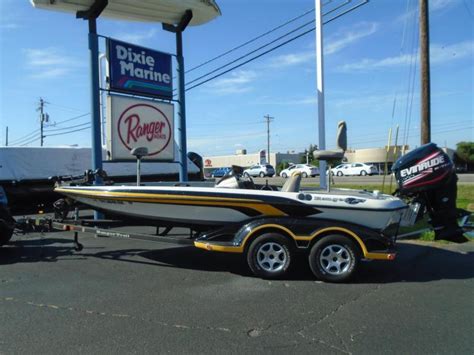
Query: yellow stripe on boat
column 259, row 206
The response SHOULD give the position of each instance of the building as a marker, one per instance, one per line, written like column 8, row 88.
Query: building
column 376, row 156
column 241, row 158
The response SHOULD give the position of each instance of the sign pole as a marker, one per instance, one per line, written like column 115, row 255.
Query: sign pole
column 183, row 166
column 320, row 88
column 95, row 104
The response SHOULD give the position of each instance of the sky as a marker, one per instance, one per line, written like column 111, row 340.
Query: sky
column 371, row 74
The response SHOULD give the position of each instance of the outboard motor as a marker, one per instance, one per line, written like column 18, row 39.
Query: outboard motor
column 427, row 175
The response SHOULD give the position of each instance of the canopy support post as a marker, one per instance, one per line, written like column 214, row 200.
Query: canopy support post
column 178, row 30
column 91, row 15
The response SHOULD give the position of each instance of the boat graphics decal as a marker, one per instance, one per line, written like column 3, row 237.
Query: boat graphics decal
column 252, row 206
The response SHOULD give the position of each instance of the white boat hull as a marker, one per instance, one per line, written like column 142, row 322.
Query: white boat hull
column 218, row 206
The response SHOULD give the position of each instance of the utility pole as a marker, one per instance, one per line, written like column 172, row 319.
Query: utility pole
column 44, row 118
column 269, row 119
column 6, row 138
column 425, row 73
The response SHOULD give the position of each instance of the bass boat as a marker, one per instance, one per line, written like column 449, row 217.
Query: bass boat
column 235, row 199
column 337, row 228
column 425, row 177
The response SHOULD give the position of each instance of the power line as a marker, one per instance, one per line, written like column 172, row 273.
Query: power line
column 25, row 137
column 69, row 127
column 250, row 41
column 274, row 48
column 31, row 141
column 66, row 107
column 64, row 133
column 28, row 136
column 268, row 43
column 72, row 119
column 251, row 52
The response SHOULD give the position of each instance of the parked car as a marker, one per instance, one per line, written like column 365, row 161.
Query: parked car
column 220, row 172
column 305, row 170
column 354, row 169
column 261, row 170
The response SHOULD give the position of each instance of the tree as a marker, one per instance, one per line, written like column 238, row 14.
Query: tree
column 464, row 157
column 465, row 152
column 308, row 154
column 282, row 166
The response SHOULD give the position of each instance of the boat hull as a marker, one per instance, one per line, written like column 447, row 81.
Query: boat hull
column 196, row 206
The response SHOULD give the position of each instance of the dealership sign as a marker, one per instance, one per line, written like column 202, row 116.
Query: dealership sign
column 133, row 123
column 139, row 70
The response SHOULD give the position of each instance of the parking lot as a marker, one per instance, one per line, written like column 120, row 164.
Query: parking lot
column 128, row 296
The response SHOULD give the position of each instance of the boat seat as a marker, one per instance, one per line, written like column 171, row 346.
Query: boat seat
column 341, row 142
column 293, row 183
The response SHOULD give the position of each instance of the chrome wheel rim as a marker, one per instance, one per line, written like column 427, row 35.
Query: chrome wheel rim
column 335, row 259
column 271, row 257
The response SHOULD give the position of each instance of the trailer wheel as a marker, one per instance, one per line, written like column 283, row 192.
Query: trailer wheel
column 269, row 255
column 334, row 258
column 7, row 225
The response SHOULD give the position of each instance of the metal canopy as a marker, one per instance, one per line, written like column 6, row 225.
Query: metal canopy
column 165, row 11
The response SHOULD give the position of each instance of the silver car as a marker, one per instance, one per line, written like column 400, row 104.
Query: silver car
column 260, row 170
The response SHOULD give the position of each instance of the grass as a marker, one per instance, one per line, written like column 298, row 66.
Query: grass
column 465, row 197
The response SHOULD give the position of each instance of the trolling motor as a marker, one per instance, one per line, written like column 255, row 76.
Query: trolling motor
column 426, row 175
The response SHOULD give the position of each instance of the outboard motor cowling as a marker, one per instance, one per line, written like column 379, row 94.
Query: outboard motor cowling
column 423, row 169
column 427, row 175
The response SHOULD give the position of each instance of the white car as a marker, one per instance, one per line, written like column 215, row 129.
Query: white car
column 261, row 170
column 354, row 169
column 305, row 170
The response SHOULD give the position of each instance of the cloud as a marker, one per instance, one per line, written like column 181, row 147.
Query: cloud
column 442, row 54
column 433, row 6
column 439, row 54
column 219, row 143
column 237, row 82
column 345, row 38
column 138, row 37
column 288, row 60
column 334, row 44
column 9, row 26
column 310, row 100
column 50, row 63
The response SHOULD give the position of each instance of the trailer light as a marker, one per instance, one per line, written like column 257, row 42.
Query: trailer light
column 391, row 256
column 208, row 247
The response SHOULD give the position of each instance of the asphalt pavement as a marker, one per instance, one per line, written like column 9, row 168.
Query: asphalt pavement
column 127, row 296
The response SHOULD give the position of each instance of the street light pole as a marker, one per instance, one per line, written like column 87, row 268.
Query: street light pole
column 320, row 88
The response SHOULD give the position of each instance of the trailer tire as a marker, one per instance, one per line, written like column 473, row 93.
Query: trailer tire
column 334, row 258
column 269, row 256
column 7, row 225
